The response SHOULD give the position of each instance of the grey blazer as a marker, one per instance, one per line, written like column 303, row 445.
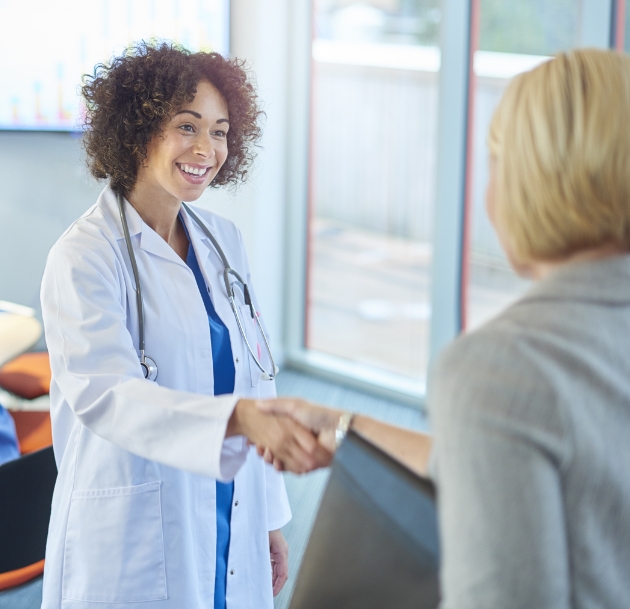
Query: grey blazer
column 531, row 415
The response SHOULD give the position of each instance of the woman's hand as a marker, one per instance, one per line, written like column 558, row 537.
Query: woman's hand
column 411, row 448
column 291, row 444
column 279, row 554
column 321, row 421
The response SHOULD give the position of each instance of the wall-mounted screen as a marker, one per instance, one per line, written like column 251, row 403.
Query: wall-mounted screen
column 46, row 46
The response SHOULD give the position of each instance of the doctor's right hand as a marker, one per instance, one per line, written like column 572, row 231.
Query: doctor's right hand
column 320, row 420
column 297, row 448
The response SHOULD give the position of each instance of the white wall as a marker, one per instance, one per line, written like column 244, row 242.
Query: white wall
column 260, row 36
column 44, row 184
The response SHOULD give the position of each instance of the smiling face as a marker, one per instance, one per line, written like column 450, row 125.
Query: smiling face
column 183, row 159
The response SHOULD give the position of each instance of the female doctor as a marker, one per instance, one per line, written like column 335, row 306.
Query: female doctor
column 160, row 499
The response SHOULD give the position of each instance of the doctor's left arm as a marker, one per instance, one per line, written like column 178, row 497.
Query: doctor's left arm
column 95, row 367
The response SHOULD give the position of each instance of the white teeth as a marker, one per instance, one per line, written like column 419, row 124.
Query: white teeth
column 196, row 171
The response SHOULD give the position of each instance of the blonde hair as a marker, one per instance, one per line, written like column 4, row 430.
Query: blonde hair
column 561, row 139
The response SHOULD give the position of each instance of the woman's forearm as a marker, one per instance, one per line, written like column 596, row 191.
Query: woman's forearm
column 411, row 448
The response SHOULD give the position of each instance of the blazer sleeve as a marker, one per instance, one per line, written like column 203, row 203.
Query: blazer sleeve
column 499, row 451
column 95, row 367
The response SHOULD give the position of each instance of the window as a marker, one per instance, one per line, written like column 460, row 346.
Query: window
column 623, row 17
column 372, row 182
column 515, row 35
column 400, row 255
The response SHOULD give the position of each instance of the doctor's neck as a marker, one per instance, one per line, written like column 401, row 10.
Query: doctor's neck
column 159, row 210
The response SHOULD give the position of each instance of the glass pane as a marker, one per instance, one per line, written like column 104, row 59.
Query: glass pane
column 373, row 148
column 516, row 35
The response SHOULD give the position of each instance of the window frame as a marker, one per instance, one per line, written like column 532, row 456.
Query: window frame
column 458, row 40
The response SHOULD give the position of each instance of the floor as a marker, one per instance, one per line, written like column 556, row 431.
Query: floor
column 304, row 491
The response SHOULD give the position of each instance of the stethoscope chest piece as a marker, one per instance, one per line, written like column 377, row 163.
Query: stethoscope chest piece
column 265, row 376
column 149, row 369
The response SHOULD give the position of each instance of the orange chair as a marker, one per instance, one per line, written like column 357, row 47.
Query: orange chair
column 33, row 429
column 27, row 376
column 28, row 481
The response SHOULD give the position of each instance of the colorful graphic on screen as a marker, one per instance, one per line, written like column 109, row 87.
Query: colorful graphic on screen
column 46, row 46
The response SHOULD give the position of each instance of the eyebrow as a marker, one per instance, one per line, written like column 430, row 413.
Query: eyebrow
column 197, row 115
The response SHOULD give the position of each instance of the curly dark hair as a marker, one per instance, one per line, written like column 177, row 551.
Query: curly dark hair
column 129, row 100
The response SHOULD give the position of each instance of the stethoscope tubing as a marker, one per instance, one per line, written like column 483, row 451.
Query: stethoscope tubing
column 230, row 294
column 136, row 275
column 266, row 374
column 148, row 365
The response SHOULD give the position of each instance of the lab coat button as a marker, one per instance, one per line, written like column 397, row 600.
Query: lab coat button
column 237, row 360
column 236, row 503
column 232, row 572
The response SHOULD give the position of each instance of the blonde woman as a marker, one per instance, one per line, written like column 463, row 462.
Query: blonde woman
column 531, row 412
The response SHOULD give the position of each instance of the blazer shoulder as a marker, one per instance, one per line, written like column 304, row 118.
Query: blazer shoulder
column 502, row 339
column 499, row 368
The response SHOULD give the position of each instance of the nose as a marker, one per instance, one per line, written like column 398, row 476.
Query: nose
column 203, row 146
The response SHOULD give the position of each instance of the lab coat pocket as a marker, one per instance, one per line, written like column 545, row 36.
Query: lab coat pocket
column 114, row 550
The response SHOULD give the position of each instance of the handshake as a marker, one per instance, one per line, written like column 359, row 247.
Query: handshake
column 298, row 436
column 290, row 433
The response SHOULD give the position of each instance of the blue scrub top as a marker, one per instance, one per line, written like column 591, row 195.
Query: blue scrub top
column 224, row 377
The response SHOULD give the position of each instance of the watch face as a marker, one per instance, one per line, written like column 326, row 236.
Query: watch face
column 342, row 427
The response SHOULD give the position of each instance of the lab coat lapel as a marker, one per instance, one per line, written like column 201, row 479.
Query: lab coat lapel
column 108, row 203
column 208, row 258
column 212, row 269
column 150, row 241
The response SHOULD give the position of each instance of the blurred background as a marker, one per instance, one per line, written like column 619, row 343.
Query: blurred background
column 364, row 216
column 352, row 94
column 374, row 143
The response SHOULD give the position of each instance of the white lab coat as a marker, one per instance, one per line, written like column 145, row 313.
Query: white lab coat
column 133, row 516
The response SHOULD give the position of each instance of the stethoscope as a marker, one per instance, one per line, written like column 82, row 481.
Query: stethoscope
column 149, row 367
